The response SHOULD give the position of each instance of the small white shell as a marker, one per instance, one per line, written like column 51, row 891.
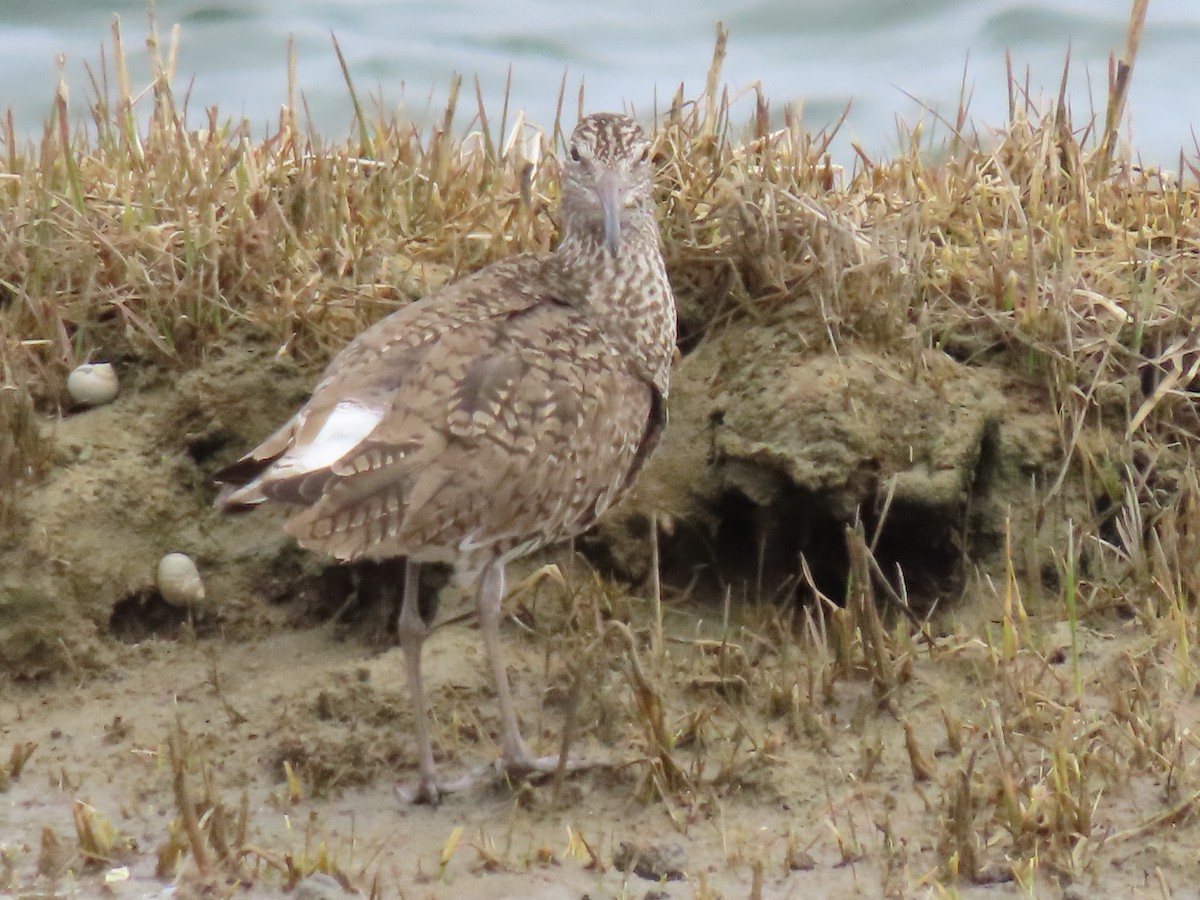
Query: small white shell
column 179, row 581
column 93, row 384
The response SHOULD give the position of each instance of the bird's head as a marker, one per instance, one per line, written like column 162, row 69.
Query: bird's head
column 606, row 178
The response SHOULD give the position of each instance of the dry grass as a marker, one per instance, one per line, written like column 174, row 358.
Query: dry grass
column 137, row 239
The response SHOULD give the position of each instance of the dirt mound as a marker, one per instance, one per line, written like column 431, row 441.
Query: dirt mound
column 772, row 452
column 775, row 450
column 128, row 485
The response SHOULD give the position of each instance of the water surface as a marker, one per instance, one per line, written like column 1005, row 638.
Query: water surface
column 889, row 59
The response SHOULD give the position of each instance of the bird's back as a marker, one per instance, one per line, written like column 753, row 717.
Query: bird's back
column 484, row 420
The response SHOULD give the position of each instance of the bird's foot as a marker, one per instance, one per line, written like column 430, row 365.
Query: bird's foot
column 536, row 769
column 422, row 792
column 523, row 768
column 429, row 791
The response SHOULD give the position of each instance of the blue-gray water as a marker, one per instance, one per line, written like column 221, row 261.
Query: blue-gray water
column 889, row 58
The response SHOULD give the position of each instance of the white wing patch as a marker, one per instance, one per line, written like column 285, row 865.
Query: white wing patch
column 344, row 430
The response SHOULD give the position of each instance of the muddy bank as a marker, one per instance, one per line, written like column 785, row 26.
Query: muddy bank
column 773, row 452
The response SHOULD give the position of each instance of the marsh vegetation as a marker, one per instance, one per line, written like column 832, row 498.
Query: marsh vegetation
column 905, row 605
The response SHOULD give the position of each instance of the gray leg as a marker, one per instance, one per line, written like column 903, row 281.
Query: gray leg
column 515, row 760
column 413, row 632
column 516, row 755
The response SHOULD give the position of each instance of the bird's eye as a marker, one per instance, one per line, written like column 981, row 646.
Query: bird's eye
column 575, row 153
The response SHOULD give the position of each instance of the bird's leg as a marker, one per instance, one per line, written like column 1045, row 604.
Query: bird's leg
column 515, row 759
column 413, row 632
column 491, row 595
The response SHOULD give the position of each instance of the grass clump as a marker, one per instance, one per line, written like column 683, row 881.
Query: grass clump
column 139, row 238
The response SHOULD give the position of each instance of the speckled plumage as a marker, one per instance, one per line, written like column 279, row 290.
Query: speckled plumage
column 500, row 414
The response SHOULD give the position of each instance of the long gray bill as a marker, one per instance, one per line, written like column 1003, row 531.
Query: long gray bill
column 608, row 189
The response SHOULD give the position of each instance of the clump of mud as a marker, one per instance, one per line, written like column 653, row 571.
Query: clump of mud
column 125, row 484
column 774, row 450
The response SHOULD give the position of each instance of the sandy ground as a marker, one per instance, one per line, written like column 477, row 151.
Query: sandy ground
column 239, row 702
column 772, row 814
column 778, row 778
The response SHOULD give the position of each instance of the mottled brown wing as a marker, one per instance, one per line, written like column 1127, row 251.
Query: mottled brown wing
column 516, row 431
column 293, row 464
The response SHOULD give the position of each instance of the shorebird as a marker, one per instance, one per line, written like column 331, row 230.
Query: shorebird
column 503, row 413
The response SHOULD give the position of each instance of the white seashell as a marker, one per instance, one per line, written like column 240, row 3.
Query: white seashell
column 179, row 581
column 93, row 384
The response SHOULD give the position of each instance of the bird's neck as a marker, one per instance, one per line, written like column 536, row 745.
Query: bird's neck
column 629, row 292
